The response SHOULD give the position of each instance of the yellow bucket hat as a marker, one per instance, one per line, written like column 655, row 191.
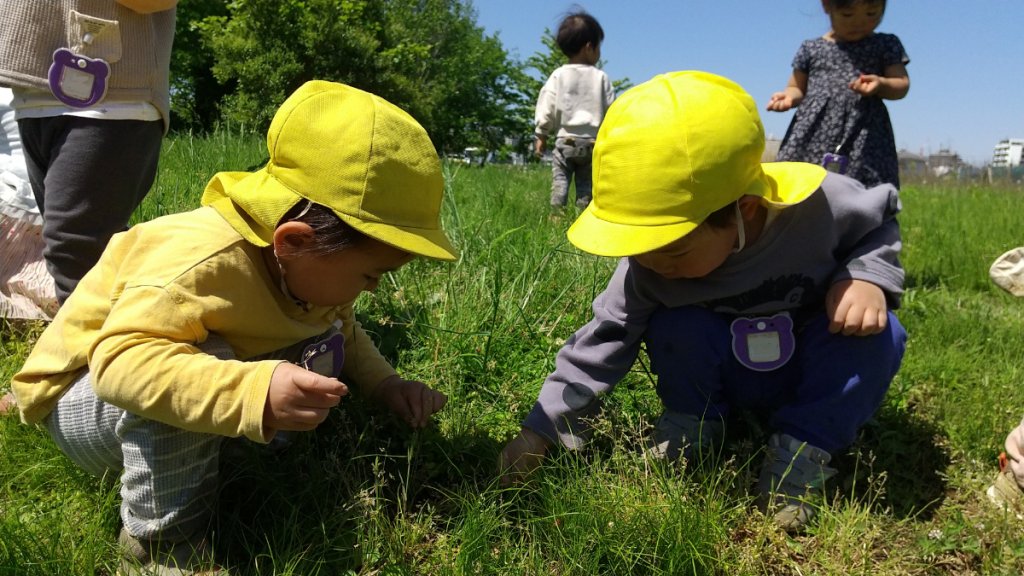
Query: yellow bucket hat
column 364, row 158
column 669, row 153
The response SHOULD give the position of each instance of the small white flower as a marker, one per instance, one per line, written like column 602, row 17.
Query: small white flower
column 934, row 534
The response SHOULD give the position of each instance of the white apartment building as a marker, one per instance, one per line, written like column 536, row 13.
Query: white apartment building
column 1007, row 153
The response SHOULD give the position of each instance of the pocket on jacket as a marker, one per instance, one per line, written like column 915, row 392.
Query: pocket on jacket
column 94, row 37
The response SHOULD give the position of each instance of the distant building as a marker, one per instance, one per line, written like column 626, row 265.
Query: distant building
column 945, row 162
column 1007, row 153
column 912, row 166
column 771, row 149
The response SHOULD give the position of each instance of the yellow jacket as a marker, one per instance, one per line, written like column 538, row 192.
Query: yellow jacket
column 137, row 317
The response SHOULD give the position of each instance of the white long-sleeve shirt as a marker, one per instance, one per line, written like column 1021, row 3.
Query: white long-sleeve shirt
column 573, row 101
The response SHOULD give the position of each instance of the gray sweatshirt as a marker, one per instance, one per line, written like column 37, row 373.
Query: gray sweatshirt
column 842, row 231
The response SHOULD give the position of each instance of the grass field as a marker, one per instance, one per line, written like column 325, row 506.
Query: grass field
column 364, row 495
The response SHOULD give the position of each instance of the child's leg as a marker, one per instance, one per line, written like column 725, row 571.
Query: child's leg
column 689, row 347
column 842, row 382
column 560, row 173
column 169, row 479
column 582, row 173
column 691, row 352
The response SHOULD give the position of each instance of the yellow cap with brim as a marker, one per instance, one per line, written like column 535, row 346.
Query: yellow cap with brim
column 669, row 153
column 353, row 152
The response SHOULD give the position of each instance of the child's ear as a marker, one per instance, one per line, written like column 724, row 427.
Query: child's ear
column 292, row 236
column 748, row 206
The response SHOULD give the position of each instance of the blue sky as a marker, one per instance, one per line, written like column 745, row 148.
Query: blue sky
column 966, row 56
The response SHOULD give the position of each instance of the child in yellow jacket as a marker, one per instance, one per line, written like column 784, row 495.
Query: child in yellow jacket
column 236, row 319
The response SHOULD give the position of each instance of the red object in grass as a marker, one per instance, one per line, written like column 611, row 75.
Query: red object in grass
column 1002, row 461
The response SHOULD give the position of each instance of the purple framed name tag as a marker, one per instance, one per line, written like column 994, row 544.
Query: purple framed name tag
column 763, row 344
column 325, row 357
column 77, row 80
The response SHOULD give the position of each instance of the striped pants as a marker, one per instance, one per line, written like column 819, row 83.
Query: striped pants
column 169, row 476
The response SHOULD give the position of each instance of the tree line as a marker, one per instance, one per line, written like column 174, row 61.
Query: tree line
column 235, row 62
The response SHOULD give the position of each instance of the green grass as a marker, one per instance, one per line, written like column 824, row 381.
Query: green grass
column 364, row 495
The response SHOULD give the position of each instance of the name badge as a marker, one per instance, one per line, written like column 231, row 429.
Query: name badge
column 325, row 357
column 763, row 344
column 76, row 80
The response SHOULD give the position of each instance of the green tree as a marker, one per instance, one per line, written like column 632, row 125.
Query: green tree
column 458, row 81
column 195, row 93
column 426, row 56
column 265, row 49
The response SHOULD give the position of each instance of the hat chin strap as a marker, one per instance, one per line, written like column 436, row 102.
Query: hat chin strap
column 741, row 232
column 284, row 287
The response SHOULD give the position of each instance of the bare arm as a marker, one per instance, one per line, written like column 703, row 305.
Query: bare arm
column 893, row 85
column 792, row 95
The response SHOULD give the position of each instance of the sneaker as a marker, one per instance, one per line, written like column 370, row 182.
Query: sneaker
column 792, row 481
column 677, row 435
column 1007, row 494
column 148, row 558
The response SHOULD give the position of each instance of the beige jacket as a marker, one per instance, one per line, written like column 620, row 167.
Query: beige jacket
column 136, row 45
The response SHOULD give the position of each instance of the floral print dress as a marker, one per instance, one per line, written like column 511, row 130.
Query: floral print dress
column 832, row 117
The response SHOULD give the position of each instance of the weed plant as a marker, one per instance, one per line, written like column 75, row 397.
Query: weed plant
column 365, row 495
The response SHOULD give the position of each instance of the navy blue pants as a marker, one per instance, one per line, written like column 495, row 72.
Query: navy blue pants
column 823, row 395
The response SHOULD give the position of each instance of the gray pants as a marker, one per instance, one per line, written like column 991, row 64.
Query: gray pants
column 571, row 159
column 88, row 176
column 169, row 476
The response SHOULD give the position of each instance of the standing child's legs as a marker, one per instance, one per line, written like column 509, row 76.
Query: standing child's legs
column 561, row 171
column 582, row 165
column 88, row 177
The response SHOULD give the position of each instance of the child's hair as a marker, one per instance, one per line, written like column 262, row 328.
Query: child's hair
column 576, row 31
column 840, row 4
column 331, row 234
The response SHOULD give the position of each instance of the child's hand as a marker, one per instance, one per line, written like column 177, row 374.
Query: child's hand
column 411, row 400
column 1015, row 453
column 866, row 84
column 856, row 308
column 521, row 456
column 299, row 399
column 780, row 102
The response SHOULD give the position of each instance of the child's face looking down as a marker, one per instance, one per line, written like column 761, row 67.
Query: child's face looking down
column 856, row 21
column 337, row 278
column 694, row 255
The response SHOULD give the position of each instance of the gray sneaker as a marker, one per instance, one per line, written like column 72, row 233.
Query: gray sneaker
column 792, row 481
column 677, row 435
column 147, row 558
